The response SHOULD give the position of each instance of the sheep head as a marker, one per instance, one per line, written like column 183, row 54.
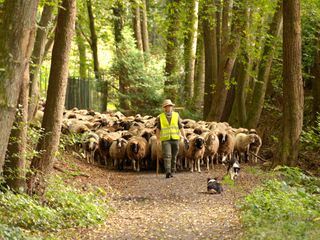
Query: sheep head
column 134, row 146
column 199, row 142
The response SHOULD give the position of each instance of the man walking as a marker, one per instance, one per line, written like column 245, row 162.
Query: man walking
column 168, row 131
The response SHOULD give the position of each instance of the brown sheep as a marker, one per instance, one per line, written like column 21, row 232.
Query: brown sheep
column 137, row 150
column 226, row 145
column 118, row 152
column 242, row 144
column 212, row 146
column 105, row 142
column 195, row 152
column 155, row 150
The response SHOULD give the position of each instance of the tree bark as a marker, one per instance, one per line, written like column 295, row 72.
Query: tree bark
column 227, row 60
column 47, row 147
column 171, row 68
column 14, row 168
column 136, row 22
column 211, row 60
column 200, row 75
column 257, row 102
column 37, row 56
column 16, row 34
column 292, row 83
column 144, row 27
column 190, row 51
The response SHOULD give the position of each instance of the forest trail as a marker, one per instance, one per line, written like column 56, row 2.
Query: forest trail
column 147, row 206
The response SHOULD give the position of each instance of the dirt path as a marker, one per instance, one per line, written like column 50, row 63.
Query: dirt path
column 147, row 206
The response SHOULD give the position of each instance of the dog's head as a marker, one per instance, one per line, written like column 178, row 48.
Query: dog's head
column 214, row 186
column 199, row 142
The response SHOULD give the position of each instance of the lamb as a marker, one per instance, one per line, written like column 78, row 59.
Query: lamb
column 137, row 150
column 242, row 144
column 90, row 145
column 118, row 152
column 195, row 152
column 226, row 145
column 212, row 146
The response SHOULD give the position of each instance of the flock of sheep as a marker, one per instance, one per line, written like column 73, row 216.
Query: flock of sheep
column 118, row 141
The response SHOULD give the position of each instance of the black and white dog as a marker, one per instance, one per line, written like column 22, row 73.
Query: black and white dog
column 233, row 168
column 214, row 186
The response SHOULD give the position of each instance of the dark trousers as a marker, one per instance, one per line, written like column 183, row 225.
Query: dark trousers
column 170, row 151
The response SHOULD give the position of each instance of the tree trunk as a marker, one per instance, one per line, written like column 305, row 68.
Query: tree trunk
column 190, row 51
column 200, row 75
column 137, row 24
column 260, row 87
column 292, row 83
column 118, row 12
column 171, row 68
column 316, row 81
column 37, row 56
column 14, row 167
column 16, row 33
column 82, row 54
column 211, row 61
column 144, row 27
column 227, row 60
column 47, row 147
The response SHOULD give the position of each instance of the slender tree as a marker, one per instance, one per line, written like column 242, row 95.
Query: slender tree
column 171, row 68
column 136, row 22
column 211, row 57
column 37, row 55
column 227, row 58
column 292, row 83
column 16, row 33
column 316, row 80
column 47, row 147
column 190, row 49
column 144, row 27
column 257, row 102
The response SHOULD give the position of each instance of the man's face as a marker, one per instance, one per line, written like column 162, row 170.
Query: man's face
column 168, row 109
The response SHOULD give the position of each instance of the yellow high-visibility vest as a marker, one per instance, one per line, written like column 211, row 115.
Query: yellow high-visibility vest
column 169, row 131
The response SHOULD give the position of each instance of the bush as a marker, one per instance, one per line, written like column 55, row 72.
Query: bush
column 142, row 74
column 310, row 138
column 285, row 209
column 64, row 207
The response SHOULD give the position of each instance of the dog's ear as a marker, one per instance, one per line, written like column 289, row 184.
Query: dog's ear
column 208, row 179
column 215, row 178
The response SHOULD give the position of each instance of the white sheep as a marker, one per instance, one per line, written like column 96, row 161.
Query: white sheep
column 212, row 146
column 242, row 144
column 118, row 152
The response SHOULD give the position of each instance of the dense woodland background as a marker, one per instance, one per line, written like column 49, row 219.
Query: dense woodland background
column 251, row 63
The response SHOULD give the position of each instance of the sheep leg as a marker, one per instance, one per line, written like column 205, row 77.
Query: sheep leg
column 199, row 168
column 134, row 165
column 256, row 158
column 138, row 165
column 208, row 162
column 224, row 157
column 185, row 163
column 191, row 164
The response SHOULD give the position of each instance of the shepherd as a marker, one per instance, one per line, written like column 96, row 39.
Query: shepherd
column 168, row 131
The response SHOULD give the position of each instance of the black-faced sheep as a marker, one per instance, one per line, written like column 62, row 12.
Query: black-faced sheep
column 118, row 152
column 212, row 146
column 242, row 144
column 90, row 145
column 195, row 152
column 137, row 150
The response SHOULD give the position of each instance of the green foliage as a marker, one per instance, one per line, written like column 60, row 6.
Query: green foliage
column 310, row 137
column 142, row 74
column 283, row 209
column 64, row 207
column 13, row 233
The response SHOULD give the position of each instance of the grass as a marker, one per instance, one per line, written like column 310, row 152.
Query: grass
column 22, row 216
column 287, row 207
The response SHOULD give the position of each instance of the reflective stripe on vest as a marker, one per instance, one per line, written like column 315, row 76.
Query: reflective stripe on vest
column 169, row 131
